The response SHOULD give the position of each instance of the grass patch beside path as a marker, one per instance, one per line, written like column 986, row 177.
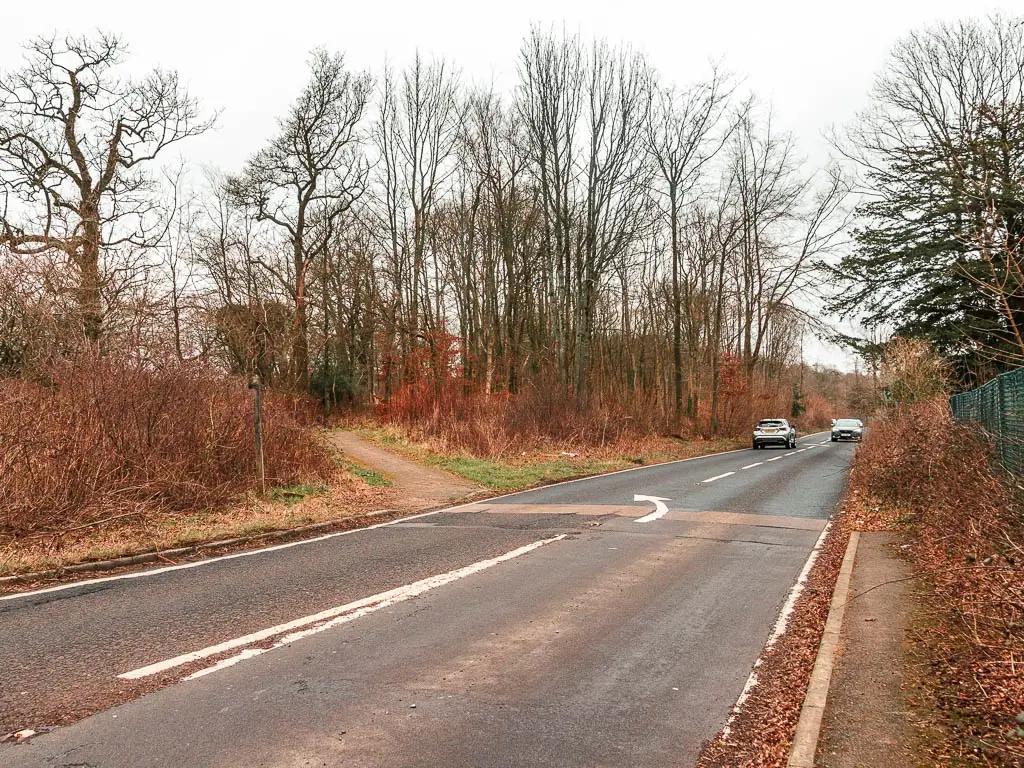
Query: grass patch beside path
column 368, row 476
column 546, row 464
column 503, row 476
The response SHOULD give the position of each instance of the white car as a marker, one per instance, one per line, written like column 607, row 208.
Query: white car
column 774, row 432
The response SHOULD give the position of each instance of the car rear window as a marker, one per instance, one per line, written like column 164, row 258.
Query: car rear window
column 771, row 424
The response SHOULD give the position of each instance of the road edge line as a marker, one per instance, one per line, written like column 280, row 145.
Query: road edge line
column 780, row 625
column 808, row 727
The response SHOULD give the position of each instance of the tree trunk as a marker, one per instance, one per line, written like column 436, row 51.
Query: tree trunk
column 300, row 342
column 90, row 299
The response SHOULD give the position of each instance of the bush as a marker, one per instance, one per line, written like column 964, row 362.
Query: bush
column 912, row 371
column 102, row 437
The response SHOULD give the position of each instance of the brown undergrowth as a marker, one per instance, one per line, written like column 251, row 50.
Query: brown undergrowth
column 923, row 472
column 109, row 442
column 451, row 413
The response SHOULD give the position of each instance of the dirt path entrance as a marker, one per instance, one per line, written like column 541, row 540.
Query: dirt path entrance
column 415, row 486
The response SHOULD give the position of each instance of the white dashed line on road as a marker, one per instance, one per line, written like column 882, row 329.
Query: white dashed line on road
column 718, row 477
column 751, row 466
column 775, row 459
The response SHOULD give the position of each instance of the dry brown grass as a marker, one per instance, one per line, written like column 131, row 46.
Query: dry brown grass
column 345, row 496
column 921, row 471
column 101, row 438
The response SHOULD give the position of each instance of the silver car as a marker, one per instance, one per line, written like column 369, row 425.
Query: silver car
column 774, row 432
column 847, row 429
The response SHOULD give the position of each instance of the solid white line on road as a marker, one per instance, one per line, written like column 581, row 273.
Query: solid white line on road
column 328, row 618
column 751, row 466
column 780, row 625
column 775, row 459
column 717, row 477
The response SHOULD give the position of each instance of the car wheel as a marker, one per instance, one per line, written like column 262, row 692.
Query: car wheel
column 835, row 439
column 755, row 445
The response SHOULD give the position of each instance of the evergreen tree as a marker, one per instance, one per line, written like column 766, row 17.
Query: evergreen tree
column 940, row 230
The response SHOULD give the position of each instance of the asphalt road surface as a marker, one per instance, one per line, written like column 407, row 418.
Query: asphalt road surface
column 567, row 626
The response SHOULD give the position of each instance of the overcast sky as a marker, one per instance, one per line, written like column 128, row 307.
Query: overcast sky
column 814, row 61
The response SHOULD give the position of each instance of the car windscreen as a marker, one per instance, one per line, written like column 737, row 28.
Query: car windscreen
column 847, row 423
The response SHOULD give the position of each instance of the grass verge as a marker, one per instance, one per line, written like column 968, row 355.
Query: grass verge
column 544, row 464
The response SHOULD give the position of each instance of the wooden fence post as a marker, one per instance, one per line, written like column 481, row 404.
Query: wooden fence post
column 256, row 384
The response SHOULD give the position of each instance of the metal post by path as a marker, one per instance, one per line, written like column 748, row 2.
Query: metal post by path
column 256, row 384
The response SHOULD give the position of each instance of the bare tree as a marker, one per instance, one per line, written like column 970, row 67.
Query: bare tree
column 681, row 138
column 550, row 100
column 417, row 137
column 309, row 175
column 585, row 116
column 788, row 223
column 75, row 145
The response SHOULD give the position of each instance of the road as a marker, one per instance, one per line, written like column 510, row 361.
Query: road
column 566, row 626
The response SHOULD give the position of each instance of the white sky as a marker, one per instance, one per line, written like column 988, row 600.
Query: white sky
column 814, row 60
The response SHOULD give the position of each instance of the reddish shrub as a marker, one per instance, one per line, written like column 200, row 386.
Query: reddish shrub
column 103, row 437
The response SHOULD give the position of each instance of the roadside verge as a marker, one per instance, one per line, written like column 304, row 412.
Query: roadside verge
column 808, row 727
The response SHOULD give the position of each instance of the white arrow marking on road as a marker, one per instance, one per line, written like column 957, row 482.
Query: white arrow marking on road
column 659, row 508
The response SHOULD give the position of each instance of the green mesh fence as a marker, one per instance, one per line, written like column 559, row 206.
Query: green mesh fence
column 998, row 407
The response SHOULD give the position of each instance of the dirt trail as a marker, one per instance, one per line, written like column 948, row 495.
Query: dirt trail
column 867, row 723
column 415, row 486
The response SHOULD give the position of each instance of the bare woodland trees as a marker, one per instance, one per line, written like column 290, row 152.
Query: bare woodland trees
column 604, row 240
column 681, row 140
column 417, row 135
column 307, row 178
column 75, row 144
